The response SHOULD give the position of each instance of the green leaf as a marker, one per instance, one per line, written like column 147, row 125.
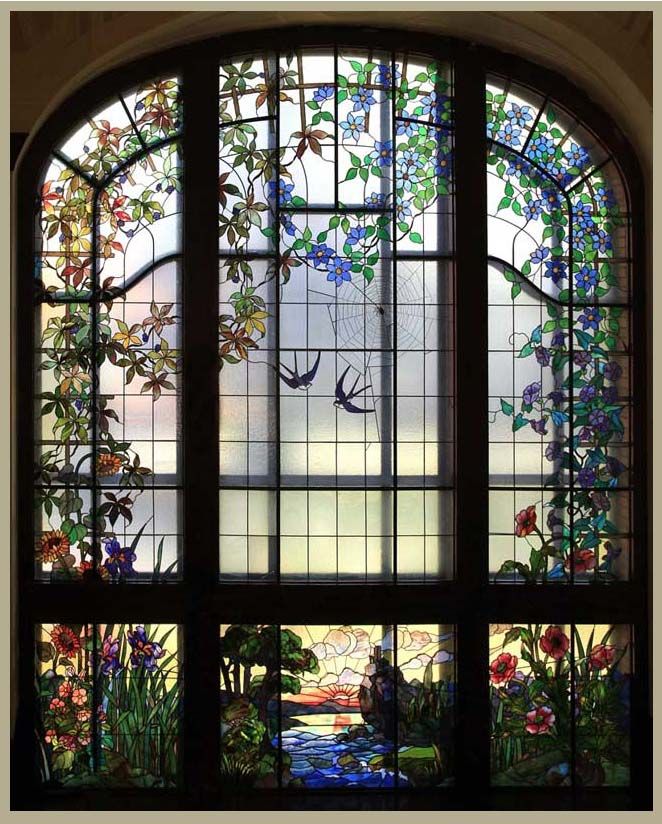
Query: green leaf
column 506, row 408
column 515, row 290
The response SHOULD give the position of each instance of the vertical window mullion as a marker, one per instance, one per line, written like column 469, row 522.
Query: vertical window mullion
column 200, row 423
column 471, row 423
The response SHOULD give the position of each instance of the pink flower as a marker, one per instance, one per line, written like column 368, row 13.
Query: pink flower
column 79, row 696
column 525, row 522
column 70, row 742
column 555, row 642
column 540, row 720
column 503, row 668
column 50, row 736
column 57, row 705
column 64, row 690
column 601, row 656
column 83, row 716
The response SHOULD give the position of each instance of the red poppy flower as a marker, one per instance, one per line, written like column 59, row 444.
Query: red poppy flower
column 503, row 668
column 555, row 642
column 525, row 522
column 65, row 640
column 601, row 656
column 584, row 560
column 540, row 720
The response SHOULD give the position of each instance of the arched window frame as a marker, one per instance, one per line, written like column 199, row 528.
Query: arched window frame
column 199, row 602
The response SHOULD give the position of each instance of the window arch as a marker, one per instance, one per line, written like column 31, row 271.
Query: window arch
column 393, row 448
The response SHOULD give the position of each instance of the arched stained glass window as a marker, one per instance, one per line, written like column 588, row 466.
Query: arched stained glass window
column 332, row 378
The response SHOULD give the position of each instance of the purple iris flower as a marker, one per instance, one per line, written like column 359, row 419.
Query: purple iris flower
column 120, row 560
column 531, row 393
column 143, row 651
column 110, row 656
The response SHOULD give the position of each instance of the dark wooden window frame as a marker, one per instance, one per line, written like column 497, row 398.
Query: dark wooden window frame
column 199, row 602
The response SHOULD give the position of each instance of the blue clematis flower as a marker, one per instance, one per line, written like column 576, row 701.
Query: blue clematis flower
column 288, row 225
column 577, row 155
column 586, row 278
column 402, row 208
column 540, row 148
column 539, row 255
column 509, row 135
column 556, row 270
column 591, row 317
column 383, row 153
column 385, row 75
column 533, row 209
column 601, row 241
column 282, row 189
column 375, row 199
column 353, row 126
column 339, row 270
column 604, row 197
column 321, row 254
column 363, row 99
column 406, row 127
column 519, row 115
column 356, row 234
column 323, row 93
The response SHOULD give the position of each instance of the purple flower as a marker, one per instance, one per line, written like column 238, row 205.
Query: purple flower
column 586, row 279
column 555, row 269
column 586, row 477
column 585, row 434
column 320, row 253
column 558, row 338
column 599, row 420
column 605, row 197
column 587, row 394
column 615, row 467
column 356, row 234
column 554, row 451
column 610, row 394
column 375, row 199
column 323, row 93
column 533, row 209
column 539, row 255
column 556, row 396
column 581, row 358
column 531, row 393
column 612, row 371
column 120, row 560
column 385, row 75
column 591, row 318
column 110, row 656
column 542, row 356
column 143, row 651
column 601, row 241
column 539, row 426
column 600, row 501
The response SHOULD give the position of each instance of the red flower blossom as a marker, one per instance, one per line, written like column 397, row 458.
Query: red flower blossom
column 584, row 560
column 65, row 689
column 540, row 720
column 555, row 642
column 65, row 640
column 503, row 668
column 70, row 742
column 57, row 705
column 525, row 522
column 601, row 656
